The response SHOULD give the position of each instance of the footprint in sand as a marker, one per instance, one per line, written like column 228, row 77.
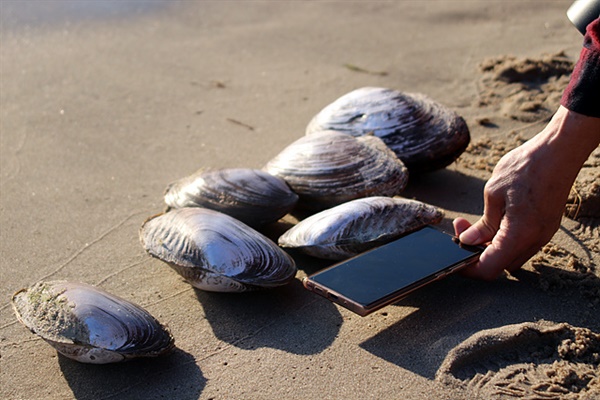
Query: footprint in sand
column 542, row 360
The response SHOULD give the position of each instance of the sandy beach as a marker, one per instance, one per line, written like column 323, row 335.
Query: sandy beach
column 104, row 103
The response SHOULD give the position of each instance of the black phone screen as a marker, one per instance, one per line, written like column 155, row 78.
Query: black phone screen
column 383, row 271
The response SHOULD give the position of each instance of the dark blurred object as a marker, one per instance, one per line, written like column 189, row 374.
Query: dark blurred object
column 582, row 12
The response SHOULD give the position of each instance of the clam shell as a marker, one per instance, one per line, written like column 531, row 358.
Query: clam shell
column 329, row 168
column 253, row 196
column 359, row 225
column 216, row 252
column 89, row 325
column 423, row 133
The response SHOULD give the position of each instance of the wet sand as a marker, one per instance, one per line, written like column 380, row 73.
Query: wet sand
column 102, row 107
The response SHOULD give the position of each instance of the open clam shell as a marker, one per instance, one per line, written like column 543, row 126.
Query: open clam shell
column 216, row 252
column 359, row 225
column 252, row 196
column 329, row 168
column 89, row 325
column 423, row 133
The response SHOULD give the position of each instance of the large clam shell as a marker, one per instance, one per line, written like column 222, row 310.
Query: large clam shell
column 216, row 252
column 359, row 225
column 423, row 133
column 88, row 324
column 329, row 168
column 253, row 196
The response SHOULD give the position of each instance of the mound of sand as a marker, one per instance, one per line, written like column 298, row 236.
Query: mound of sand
column 526, row 89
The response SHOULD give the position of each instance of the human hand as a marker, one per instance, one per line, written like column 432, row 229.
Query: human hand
column 525, row 198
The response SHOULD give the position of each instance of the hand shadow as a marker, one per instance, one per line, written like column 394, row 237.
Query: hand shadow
column 288, row 318
column 451, row 310
column 174, row 375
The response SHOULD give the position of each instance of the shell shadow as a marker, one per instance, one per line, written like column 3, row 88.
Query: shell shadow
column 448, row 189
column 172, row 376
column 307, row 263
column 451, row 310
column 275, row 318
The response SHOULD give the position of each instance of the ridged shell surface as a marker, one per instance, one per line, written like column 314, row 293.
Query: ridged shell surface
column 423, row 133
column 359, row 225
column 88, row 324
column 216, row 252
column 329, row 168
column 253, row 196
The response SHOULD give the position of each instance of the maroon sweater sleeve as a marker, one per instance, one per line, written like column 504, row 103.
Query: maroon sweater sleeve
column 583, row 92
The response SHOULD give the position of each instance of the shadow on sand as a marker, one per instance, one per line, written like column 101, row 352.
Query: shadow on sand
column 448, row 189
column 445, row 318
column 287, row 318
column 294, row 320
column 174, row 376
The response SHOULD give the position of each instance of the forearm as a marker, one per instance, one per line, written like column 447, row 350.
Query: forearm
column 573, row 135
column 525, row 197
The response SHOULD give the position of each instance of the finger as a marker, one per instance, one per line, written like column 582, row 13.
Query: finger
column 524, row 257
column 472, row 271
column 480, row 232
column 506, row 252
column 484, row 269
column 485, row 229
column 460, row 225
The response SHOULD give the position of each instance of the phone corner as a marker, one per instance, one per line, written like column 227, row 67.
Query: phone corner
column 306, row 283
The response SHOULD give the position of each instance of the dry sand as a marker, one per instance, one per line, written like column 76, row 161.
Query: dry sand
column 103, row 104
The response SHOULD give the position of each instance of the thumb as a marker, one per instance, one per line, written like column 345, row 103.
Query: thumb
column 485, row 229
column 478, row 233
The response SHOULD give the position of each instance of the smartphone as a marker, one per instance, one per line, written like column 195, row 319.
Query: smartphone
column 381, row 276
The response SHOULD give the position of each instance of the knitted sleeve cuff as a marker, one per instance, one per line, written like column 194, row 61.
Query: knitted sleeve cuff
column 582, row 95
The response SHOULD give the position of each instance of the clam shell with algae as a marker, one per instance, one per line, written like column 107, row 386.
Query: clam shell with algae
column 90, row 325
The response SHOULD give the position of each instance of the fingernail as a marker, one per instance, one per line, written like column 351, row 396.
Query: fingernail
column 470, row 236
